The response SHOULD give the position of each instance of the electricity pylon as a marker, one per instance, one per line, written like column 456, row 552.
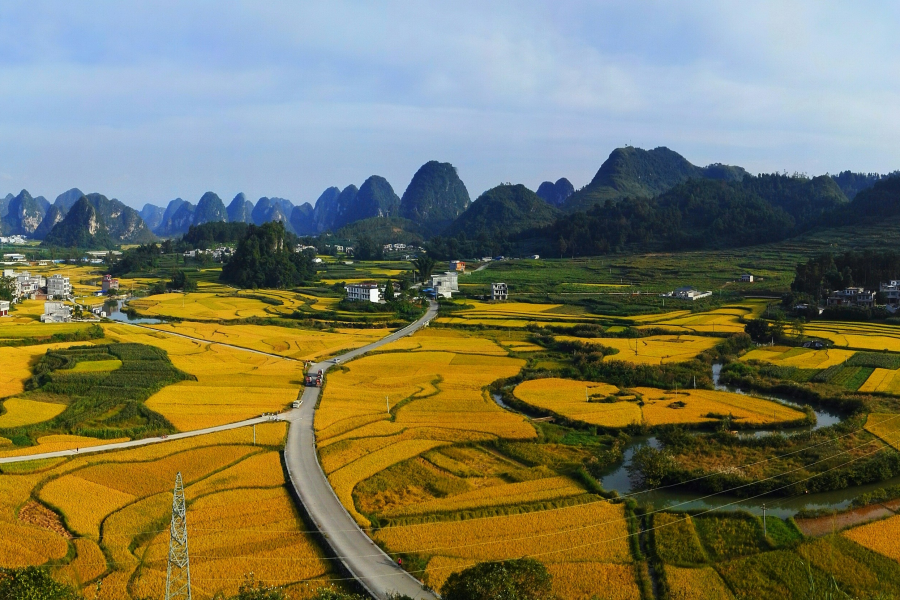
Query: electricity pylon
column 178, row 574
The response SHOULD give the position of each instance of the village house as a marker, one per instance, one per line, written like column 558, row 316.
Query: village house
column 499, row 291
column 58, row 287
column 891, row 291
column 4, row 308
column 852, row 296
column 746, row 278
column 367, row 292
column 457, row 265
column 444, row 285
column 689, row 293
column 56, row 312
column 109, row 283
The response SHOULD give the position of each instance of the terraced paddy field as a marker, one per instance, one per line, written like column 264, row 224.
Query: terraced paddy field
column 608, row 406
column 859, row 336
column 291, row 342
column 389, row 407
column 104, row 517
column 652, row 350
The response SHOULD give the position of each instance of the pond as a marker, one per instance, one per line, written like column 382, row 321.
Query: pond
column 114, row 311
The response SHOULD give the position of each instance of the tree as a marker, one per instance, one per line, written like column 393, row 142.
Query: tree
column 758, row 330
column 368, row 249
column 518, row 579
column 180, row 281
column 7, row 288
column 389, row 291
column 423, row 266
column 33, row 583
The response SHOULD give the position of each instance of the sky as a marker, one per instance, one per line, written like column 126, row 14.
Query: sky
column 148, row 101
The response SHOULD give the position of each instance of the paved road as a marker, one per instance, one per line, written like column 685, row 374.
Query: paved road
column 134, row 443
column 374, row 569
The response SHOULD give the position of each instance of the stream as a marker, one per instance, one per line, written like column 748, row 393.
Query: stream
column 677, row 498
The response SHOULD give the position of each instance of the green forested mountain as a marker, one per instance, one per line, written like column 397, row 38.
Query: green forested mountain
column 303, row 219
column 556, row 193
column 498, row 216
column 265, row 257
column 853, row 183
column 152, row 215
column 179, row 215
column 375, row 198
column 636, row 173
column 695, row 214
column 384, row 230
column 210, row 208
column 877, row 202
column 435, row 196
column 82, row 227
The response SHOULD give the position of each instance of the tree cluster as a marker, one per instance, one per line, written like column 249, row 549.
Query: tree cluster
column 265, row 258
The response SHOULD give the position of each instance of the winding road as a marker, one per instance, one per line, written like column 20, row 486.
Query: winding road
column 365, row 561
column 374, row 569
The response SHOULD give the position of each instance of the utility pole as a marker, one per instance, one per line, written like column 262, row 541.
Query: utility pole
column 765, row 529
column 178, row 573
column 254, row 434
column 387, row 404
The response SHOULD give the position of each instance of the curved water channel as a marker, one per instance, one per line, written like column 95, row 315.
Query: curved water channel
column 115, row 313
column 679, row 499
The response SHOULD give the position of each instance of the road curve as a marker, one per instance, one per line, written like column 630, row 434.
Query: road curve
column 374, row 569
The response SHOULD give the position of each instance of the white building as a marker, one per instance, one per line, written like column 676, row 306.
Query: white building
column 369, row 292
column 59, row 287
column 499, row 291
column 746, row 278
column 14, row 257
column 28, row 284
column 689, row 293
column 891, row 291
column 4, row 308
column 56, row 312
column 444, row 285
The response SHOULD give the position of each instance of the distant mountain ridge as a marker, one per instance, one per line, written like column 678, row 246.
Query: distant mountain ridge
column 556, row 193
column 636, row 173
column 95, row 221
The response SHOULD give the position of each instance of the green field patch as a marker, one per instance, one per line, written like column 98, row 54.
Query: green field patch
column 725, row 537
column 778, row 574
column 95, row 366
column 876, row 360
column 676, row 540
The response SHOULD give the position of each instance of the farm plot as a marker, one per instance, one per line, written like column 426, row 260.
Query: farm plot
column 17, row 365
column 23, row 411
column 585, row 547
column 720, row 320
column 653, row 350
column 205, row 306
column 239, row 512
column 861, row 336
column 300, row 344
column 801, row 358
column 606, row 405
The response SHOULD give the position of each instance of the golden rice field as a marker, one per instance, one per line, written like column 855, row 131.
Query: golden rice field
column 882, row 380
column 525, row 492
column 576, row 543
column 20, row 325
column 232, row 384
column 653, row 350
column 862, row 336
column 17, row 363
column 880, row 536
column 802, row 358
column 435, row 397
column 570, row 399
column 240, row 517
column 209, row 306
column 688, row 584
column 22, row 411
column 886, row 426
column 300, row 344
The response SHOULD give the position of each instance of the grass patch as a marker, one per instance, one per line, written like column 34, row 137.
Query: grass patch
column 730, row 536
column 876, row 360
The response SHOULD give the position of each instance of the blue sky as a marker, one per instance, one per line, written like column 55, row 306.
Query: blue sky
column 146, row 101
